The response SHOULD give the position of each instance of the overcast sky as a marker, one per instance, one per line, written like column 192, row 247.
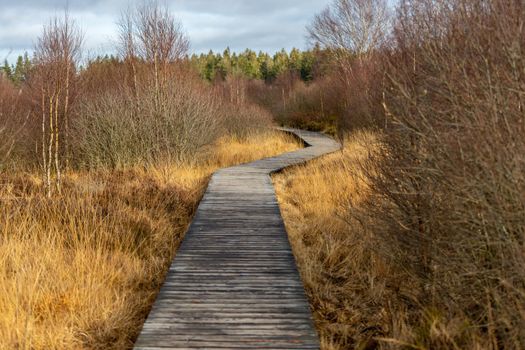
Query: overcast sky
column 267, row 25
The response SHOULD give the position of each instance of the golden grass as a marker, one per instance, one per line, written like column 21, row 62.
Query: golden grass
column 228, row 151
column 330, row 248
column 362, row 295
column 81, row 271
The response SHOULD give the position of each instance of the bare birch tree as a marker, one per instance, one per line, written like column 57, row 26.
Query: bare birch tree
column 351, row 26
column 56, row 55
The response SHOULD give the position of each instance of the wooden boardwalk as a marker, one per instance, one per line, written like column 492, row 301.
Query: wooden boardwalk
column 233, row 283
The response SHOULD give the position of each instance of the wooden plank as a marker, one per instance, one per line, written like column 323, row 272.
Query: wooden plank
column 233, row 283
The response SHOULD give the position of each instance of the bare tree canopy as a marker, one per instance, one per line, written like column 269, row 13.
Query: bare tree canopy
column 356, row 26
column 152, row 33
column 61, row 38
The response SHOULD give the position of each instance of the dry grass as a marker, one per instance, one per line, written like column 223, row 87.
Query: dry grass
column 81, row 271
column 362, row 295
column 332, row 252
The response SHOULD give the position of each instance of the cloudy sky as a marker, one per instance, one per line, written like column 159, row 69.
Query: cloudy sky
column 267, row 25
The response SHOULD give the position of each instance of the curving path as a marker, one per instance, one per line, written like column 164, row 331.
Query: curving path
column 233, row 283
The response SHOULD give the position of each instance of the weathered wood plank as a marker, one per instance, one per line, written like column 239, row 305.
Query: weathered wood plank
column 233, row 283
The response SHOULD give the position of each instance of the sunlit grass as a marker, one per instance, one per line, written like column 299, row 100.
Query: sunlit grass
column 80, row 271
column 330, row 249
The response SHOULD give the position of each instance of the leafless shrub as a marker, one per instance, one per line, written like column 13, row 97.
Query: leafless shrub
column 110, row 133
column 245, row 120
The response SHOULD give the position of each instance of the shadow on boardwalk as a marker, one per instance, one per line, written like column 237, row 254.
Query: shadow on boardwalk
column 234, row 282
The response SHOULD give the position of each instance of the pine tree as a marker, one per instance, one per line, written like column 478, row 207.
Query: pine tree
column 7, row 70
column 307, row 66
column 223, row 66
column 234, row 64
column 280, row 63
column 226, row 55
column 210, row 66
column 265, row 66
column 296, row 58
column 249, row 65
column 18, row 74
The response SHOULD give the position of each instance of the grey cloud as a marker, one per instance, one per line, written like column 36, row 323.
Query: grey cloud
column 247, row 7
column 211, row 24
column 72, row 5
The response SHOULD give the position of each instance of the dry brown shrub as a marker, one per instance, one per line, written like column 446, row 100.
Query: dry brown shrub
column 451, row 191
column 15, row 144
column 316, row 105
column 444, row 215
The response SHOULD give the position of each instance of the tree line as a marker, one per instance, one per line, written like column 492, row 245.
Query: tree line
column 216, row 66
column 264, row 66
